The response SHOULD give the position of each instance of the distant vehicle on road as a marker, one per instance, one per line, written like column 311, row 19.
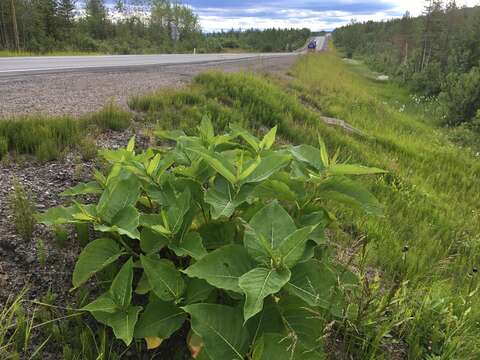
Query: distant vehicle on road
column 312, row 45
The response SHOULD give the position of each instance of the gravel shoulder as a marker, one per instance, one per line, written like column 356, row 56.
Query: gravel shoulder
column 78, row 93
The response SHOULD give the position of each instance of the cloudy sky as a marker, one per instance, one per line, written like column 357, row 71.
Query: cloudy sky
column 314, row 14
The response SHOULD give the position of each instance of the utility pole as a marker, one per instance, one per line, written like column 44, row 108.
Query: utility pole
column 16, row 38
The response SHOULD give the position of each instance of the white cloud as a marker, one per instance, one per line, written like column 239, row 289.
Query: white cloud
column 261, row 17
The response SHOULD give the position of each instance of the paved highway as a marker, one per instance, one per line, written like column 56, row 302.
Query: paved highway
column 45, row 64
column 55, row 64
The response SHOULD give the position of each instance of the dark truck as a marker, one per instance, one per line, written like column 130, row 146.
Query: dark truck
column 312, row 45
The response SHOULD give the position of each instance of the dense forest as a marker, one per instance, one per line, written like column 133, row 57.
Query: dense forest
column 130, row 26
column 266, row 41
column 436, row 54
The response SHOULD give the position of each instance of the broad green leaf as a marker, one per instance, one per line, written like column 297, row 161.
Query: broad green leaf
column 120, row 193
column 104, row 303
column 166, row 281
column 131, row 144
column 176, row 212
column 320, row 220
column 316, row 283
column 267, row 167
column 191, row 245
column 293, row 247
column 205, row 129
column 274, row 189
column 151, row 241
column 143, row 286
column 160, row 319
column 303, row 328
column 91, row 187
column 309, row 155
column 223, row 267
column 323, row 152
column 268, row 139
column 125, row 222
column 221, row 328
column 123, row 323
column 267, row 229
column 198, row 290
column 246, row 135
column 58, row 216
column 94, row 257
column 257, row 284
column 223, row 199
column 344, row 190
column 153, row 165
column 348, row 169
column 121, row 288
column 217, row 162
column 170, row 134
column 217, row 234
column 281, row 347
column 272, row 346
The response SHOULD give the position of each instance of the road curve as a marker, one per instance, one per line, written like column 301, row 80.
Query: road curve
column 54, row 64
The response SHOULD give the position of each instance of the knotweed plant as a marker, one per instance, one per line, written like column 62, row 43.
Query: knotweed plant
column 220, row 232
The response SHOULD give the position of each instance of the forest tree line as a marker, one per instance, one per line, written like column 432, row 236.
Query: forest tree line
column 269, row 40
column 437, row 54
column 127, row 27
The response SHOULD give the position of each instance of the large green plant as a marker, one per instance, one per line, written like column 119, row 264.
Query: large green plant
column 220, row 231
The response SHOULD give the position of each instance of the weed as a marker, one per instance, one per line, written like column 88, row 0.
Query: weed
column 23, row 209
column 3, row 147
column 61, row 235
column 111, row 117
column 87, row 148
column 41, row 252
column 245, row 180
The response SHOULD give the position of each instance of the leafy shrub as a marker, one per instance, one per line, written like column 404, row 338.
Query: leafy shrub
column 222, row 232
column 461, row 97
column 23, row 212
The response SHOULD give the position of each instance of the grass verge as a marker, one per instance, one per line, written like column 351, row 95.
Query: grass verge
column 49, row 137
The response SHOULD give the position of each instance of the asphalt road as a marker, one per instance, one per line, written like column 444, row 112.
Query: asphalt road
column 54, row 64
column 45, row 64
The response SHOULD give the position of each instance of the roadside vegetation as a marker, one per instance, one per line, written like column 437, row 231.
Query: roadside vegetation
column 49, row 138
column 436, row 55
column 406, row 283
column 145, row 27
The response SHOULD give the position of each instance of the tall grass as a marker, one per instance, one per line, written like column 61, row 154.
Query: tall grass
column 48, row 137
column 427, row 244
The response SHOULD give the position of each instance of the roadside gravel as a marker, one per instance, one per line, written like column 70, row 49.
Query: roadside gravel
column 78, row 93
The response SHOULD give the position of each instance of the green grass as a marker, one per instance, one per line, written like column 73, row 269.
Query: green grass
column 49, row 137
column 431, row 195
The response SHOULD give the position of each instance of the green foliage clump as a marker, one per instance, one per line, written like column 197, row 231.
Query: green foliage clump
column 461, row 97
column 111, row 117
column 224, row 232
column 87, row 148
column 23, row 210
column 49, row 137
